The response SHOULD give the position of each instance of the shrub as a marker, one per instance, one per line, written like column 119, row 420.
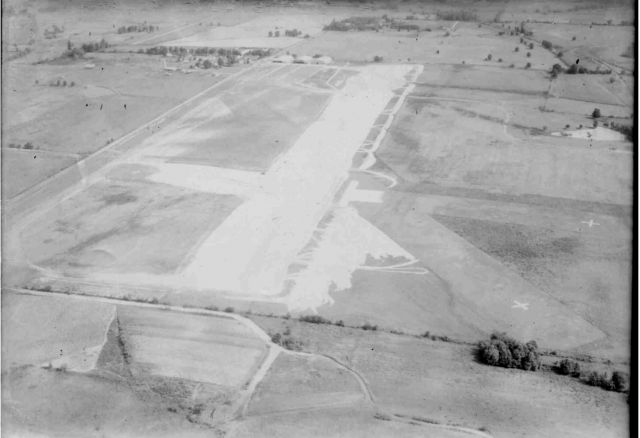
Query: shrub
column 340, row 323
column 517, row 49
column 213, row 308
column 618, row 381
column 286, row 342
column 528, row 54
column 368, row 326
column 377, row 58
column 557, row 68
column 504, row 351
column 530, row 46
column 528, row 65
column 314, row 319
column 426, row 334
column 596, row 113
column 567, row 367
column 512, row 66
column 229, row 309
column 489, row 56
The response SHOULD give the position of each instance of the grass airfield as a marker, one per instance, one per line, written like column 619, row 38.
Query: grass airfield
column 153, row 251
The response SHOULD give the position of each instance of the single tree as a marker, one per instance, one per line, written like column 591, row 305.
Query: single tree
column 596, row 113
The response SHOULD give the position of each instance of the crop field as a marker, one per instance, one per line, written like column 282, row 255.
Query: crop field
column 197, row 348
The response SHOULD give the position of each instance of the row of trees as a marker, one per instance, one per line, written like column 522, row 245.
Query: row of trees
column 144, row 27
column 575, row 69
column 200, row 51
column 27, row 145
column 616, row 382
column 457, row 15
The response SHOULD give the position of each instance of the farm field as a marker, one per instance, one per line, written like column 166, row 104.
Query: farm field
column 117, row 348
column 443, row 384
column 105, row 105
column 317, row 219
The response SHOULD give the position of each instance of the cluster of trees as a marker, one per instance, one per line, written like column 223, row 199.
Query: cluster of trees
column 627, row 130
column 292, row 33
column 93, row 47
column 457, row 15
column 372, row 23
column 504, row 351
column 617, row 382
column 355, row 23
column 547, row 45
column 567, row 367
column 225, row 57
column 144, row 27
column 206, row 63
column 78, row 52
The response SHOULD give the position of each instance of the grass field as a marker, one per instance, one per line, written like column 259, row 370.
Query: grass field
column 66, row 123
column 443, row 384
column 29, row 335
column 469, row 44
column 297, row 382
column 110, row 227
